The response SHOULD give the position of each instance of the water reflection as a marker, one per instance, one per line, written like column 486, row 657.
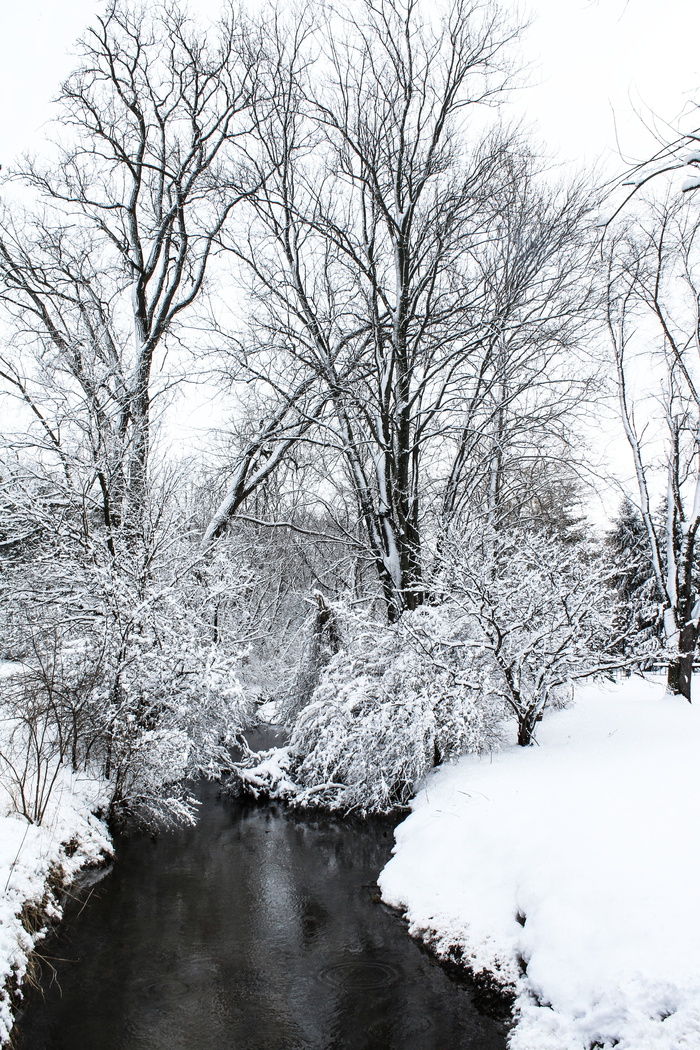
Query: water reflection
column 256, row 930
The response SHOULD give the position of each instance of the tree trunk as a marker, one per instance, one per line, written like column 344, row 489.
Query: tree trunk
column 404, row 594
column 680, row 669
column 679, row 674
column 678, row 677
column 526, row 727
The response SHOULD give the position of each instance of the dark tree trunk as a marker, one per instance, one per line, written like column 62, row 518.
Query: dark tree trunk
column 526, row 728
column 680, row 670
column 527, row 720
column 398, row 600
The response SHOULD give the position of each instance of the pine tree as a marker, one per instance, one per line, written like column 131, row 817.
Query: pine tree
column 627, row 545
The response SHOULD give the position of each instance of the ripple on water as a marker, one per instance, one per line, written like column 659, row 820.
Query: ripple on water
column 359, row 975
column 164, row 987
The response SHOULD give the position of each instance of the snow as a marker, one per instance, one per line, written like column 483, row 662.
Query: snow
column 592, row 840
column 8, row 668
column 269, row 775
column 37, row 862
column 639, row 180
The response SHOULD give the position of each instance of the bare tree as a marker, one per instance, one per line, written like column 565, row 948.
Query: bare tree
column 144, row 179
column 381, row 305
column 654, row 324
column 512, row 440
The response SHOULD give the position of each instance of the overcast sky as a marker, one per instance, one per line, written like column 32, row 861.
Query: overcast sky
column 594, row 64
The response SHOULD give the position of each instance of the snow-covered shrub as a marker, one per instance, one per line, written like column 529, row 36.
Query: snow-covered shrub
column 395, row 702
column 146, row 716
column 31, row 748
column 149, row 778
column 515, row 618
column 172, row 717
column 542, row 612
column 127, row 674
column 323, row 640
column 168, row 697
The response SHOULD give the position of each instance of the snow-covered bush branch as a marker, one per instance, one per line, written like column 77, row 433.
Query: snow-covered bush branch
column 542, row 612
column 516, row 619
column 396, row 701
column 126, row 675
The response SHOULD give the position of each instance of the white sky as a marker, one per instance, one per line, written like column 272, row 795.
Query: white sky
column 592, row 63
column 602, row 64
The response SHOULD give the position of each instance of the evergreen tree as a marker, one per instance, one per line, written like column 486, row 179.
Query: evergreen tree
column 640, row 602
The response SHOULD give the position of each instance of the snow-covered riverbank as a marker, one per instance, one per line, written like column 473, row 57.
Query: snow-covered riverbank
column 37, row 862
column 570, row 870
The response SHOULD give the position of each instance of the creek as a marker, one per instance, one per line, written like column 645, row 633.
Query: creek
column 258, row 929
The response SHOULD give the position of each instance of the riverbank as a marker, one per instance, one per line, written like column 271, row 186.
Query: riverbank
column 569, row 871
column 38, row 862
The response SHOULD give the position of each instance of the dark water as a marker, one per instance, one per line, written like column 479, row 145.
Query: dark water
column 256, row 930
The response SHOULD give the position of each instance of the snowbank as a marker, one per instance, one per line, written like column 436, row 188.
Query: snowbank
column 36, row 863
column 570, row 870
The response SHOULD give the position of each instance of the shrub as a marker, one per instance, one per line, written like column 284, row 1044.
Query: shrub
column 395, row 702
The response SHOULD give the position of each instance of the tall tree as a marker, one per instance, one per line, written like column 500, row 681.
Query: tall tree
column 654, row 286
column 95, row 277
column 398, row 253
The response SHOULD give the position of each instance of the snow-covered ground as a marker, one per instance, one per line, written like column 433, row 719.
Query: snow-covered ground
column 577, row 860
column 36, row 863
